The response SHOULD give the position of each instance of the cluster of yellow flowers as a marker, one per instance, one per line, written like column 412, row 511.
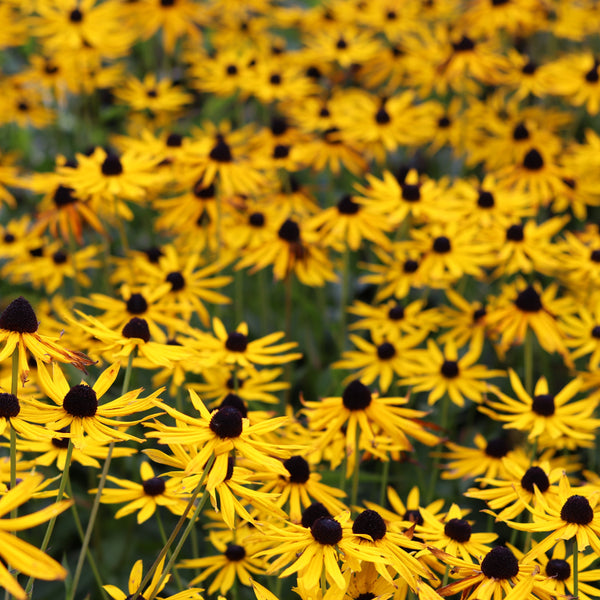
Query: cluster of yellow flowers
column 341, row 261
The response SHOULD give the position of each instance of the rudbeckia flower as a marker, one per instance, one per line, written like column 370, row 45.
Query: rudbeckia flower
column 554, row 416
column 18, row 329
column 19, row 554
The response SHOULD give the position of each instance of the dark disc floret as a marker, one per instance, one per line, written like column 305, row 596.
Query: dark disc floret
column 382, row 116
column 365, row 596
column 75, row 16
column 235, row 552
column 533, row 160
column 136, row 328
column 153, row 253
column 478, row 314
column 558, row 569
column 204, row 192
column 9, row 238
column 450, row 369
column 442, row 245
column 458, row 530
column 61, row 443
column 535, row 476
column 410, row 266
column 327, row 531
column 19, row 317
column 177, row 281
column 520, row 132
column 596, row 332
column 256, row 219
column 500, row 563
column 174, row 140
column 313, row 512
column 137, row 305
column 515, row 233
column 356, row 396
column 81, row 401
column 498, row 447
column 485, row 199
column 411, row 192
column 281, row 151
column 370, row 522
column 111, row 165
column 236, row 342
column 289, row 231
column 298, row 468
column 529, row 300
column 59, row 257
column 221, row 152
column 465, row 44
column 413, row 515
column 543, row 405
column 227, row 422
column 275, row 79
column 396, row 313
column 63, row 196
column 155, row 486
column 386, row 351
column 347, row 206
column 236, row 402
column 9, row 406
column 577, row 510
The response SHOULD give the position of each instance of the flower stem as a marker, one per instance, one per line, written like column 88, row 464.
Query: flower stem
column 13, row 434
column 355, row 474
column 385, row 476
column 528, row 361
column 59, row 497
column 163, row 537
column 575, row 568
column 174, row 534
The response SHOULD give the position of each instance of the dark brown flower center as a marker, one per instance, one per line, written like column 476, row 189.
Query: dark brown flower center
column 533, row 160
column 450, row 369
column 236, row 342
column 577, row 510
column 529, row 300
column 485, row 199
column 235, row 552
column 9, row 406
column 543, row 405
column 535, row 476
column 558, row 569
column 289, row 231
column 81, row 401
column 236, row 402
column 227, row 422
column 347, row 206
column 221, row 152
column 458, row 530
column 136, row 328
column 326, row 531
column 370, row 522
column 386, row 351
column 498, row 447
column 441, row 245
column 298, row 469
column 313, row 512
column 356, row 396
column 137, row 305
column 500, row 563
column 19, row 317
column 155, row 486
column 177, row 281
column 515, row 233
column 111, row 165
column 63, row 196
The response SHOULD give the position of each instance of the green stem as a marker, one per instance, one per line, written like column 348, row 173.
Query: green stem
column 344, row 297
column 94, row 512
column 575, row 568
column 323, row 581
column 72, row 251
column 356, row 472
column 174, row 534
column 446, row 574
column 14, row 386
column 528, row 361
column 445, row 425
column 163, row 537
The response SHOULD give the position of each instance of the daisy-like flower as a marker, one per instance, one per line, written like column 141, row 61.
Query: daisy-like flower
column 135, row 579
column 582, row 331
column 553, row 416
column 496, row 576
column 520, row 308
column 485, row 459
column 312, row 547
column 236, row 560
column 382, row 359
column 442, row 373
column 233, row 348
column 359, row 408
column 19, row 554
column 465, row 321
column 145, row 497
column 18, row 329
column 453, row 534
column 301, row 488
column 557, row 575
column 219, row 432
column 17, row 414
column 369, row 531
column 78, row 409
column 573, row 516
column 513, row 493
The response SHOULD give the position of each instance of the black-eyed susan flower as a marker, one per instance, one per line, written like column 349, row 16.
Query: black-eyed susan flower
column 495, row 576
column 143, row 498
column 78, row 409
column 19, row 554
column 582, row 331
column 301, row 488
column 520, row 308
column 574, row 516
column 236, row 561
column 360, row 410
column 453, row 534
column 445, row 372
column 485, row 459
column 464, row 321
column 512, row 494
column 218, row 433
column 554, row 416
column 18, row 330
column 382, row 359
column 18, row 414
